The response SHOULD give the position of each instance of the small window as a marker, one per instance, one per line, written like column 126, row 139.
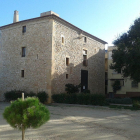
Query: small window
column 134, row 84
column 67, row 76
column 23, row 29
column 22, row 73
column 84, row 52
column 85, row 58
column 23, row 51
column 67, row 61
column 85, row 39
column 63, row 40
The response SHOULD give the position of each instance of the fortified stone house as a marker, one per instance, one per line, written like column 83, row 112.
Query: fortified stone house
column 47, row 52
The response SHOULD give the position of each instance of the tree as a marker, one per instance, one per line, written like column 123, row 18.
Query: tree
column 29, row 113
column 116, row 86
column 126, row 57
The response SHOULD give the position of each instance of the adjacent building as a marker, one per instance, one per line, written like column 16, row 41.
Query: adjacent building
column 47, row 52
column 129, row 88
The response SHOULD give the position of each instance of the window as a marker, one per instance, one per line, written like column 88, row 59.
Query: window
column 85, row 58
column 85, row 39
column 23, row 51
column 62, row 40
column 67, row 61
column 134, row 84
column 67, row 76
column 23, row 29
column 22, row 73
column 84, row 52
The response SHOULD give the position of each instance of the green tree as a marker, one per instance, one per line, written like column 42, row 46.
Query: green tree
column 127, row 55
column 29, row 113
column 116, row 86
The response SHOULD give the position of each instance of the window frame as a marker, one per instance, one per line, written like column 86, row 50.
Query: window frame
column 24, row 29
column 23, row 51
column 67, row 76
column 62, row 39
column 67, row 61
column 85, row 61
column 85, row 39
column 22, row 73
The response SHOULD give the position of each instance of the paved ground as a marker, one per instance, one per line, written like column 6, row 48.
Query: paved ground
column 79, row 123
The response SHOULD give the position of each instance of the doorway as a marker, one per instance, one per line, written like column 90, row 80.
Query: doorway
column 84, row 80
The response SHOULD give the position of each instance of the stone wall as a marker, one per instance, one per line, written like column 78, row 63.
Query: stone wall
column 37, row 63
column 73, row 49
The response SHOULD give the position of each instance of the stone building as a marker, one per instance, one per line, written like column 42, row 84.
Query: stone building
column 47, row 52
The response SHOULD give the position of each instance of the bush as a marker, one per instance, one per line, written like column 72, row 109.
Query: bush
column 97, row 99
column 26, row 114
column 135, row 98
column 43, row 96
column 136, row 104
column 59, row 98
column 80, row 98
column 13, row 95
column 31, row 94
column 70, row 88
column 119, row 101
column 116, row 86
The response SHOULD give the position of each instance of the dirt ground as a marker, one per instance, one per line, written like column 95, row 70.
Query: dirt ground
column 70, row 122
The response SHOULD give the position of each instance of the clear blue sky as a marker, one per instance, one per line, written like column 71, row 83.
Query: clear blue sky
column 105, row 19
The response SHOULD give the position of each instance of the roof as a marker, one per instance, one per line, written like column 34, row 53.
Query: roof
column 62, row 21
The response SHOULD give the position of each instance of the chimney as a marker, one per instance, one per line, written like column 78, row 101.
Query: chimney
column 16, row 16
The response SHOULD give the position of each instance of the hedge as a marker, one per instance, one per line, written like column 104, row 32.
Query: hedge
column 119, row 101
column 82, row 98
column 15, row 94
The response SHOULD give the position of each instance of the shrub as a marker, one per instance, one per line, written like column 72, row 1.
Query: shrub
column 43, row 96
column 119, row 101
column 80, row 98
column 26, row 114
column 59, row 98
column 13, row 95
column 70, row 88
column 135, row 98
column 116, row 86
column 31, row 94
column 83, row 99
column 97, row 99
column 136, row 104
column 86, row 91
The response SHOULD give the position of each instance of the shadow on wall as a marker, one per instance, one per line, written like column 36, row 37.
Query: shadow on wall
column 89, row 72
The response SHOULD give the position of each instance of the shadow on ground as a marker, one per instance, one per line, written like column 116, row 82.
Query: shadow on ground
column 79, row 123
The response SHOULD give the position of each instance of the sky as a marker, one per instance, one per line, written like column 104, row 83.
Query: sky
column 105, row 19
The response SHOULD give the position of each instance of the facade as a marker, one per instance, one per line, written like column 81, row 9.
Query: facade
column 129, row 88
column 45, row 53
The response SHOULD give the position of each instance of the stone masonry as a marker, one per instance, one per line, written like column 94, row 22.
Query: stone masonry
column 44, row 64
